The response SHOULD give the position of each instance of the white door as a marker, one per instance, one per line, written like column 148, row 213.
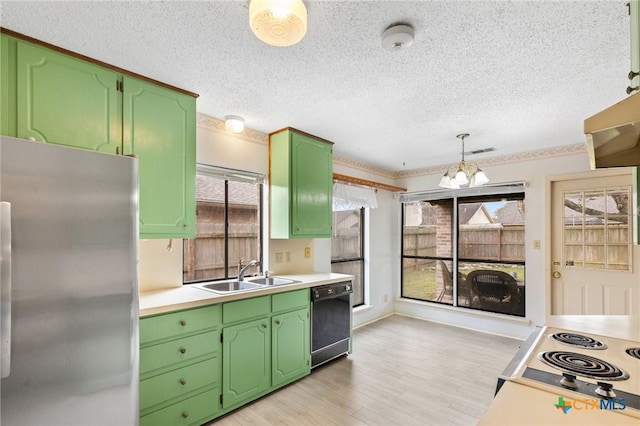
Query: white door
column 594, row 264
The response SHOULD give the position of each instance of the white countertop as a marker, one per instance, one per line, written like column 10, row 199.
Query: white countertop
column 517, row 404
column 188, row 296
column 619, row 326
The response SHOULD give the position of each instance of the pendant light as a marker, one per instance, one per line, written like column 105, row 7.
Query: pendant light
column 463, row 173
column 278, row 22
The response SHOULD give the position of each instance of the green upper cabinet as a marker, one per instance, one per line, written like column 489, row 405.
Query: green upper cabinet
column 66, row 101
column 634, row 11
column 159, row 129
column 52, row 95
column 7, row 90
column 301, row 185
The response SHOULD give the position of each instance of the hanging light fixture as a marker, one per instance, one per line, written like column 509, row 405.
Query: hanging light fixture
column 278, row 22
column 463, row 173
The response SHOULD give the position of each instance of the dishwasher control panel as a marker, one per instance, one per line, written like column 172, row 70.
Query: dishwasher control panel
column 331, row 290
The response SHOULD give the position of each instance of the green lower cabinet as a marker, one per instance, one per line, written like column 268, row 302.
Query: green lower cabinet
column 290, row 339
column 180, row 367
column 193, row 411
column 177, row 352
column 246, row 361
column 177, row 384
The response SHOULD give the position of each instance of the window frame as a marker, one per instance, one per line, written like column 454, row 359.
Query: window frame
column 227, row 175
column 360, row 258
column 459, row 197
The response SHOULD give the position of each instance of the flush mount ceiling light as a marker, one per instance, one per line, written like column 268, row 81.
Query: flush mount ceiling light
column 278, row 22
column 463, row 173
column 397, row 37
column 234, row 123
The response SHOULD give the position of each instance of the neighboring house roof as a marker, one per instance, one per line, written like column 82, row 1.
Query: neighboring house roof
column 473, row 213
column 212, row 190
column 512, row 213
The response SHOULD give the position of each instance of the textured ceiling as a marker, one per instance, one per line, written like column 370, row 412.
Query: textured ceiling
column 517, row 76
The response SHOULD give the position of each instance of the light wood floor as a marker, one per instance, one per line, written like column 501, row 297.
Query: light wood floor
column 403, row 371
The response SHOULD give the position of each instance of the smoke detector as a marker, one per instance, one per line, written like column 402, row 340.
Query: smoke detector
column 397, row 37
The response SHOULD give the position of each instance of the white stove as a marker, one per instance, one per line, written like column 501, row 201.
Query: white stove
column 596, row 371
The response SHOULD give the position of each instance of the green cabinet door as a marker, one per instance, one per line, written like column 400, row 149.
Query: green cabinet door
column 301, row 176
column 159, row 129
column 634, row 11
column 311, row 187
column 291, row 347
column 66, row 101
column 7, row 87
column 246, row 361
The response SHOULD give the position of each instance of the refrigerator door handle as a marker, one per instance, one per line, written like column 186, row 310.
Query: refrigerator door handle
column 5, row 289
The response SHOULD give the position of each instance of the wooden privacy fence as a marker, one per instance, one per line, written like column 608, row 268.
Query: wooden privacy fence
column 475, row 242
column 205, row 255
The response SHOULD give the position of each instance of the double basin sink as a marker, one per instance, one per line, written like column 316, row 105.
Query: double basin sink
column 249, row 284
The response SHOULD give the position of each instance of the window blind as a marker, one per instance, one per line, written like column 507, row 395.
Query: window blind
column 229, row 174
column 440, row 194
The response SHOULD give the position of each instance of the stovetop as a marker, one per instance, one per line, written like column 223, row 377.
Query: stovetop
column 583, row 365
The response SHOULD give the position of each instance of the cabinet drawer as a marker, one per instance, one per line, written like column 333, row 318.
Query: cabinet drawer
column 178, row 382
column 178, row 324
column 192, row 411
column 178, row 351
column 290, row 300
column 246, row 309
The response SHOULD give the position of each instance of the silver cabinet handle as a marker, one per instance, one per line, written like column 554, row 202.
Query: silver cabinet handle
column 5, row 288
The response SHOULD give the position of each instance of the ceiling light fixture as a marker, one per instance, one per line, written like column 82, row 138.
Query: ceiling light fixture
column 397, row 37
column 234, row 123
column 463, row 173
column 278, row 22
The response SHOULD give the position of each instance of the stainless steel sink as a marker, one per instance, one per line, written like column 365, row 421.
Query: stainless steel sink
column 230, row 286
column 271, row 281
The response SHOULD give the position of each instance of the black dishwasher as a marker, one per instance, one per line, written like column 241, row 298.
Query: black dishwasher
column 330, row 321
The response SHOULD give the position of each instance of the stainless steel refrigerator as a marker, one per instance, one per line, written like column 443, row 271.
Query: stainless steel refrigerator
column 69, row 300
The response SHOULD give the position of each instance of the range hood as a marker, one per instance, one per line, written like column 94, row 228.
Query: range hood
column 613, row 135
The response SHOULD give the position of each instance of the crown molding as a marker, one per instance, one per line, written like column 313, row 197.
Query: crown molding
column 355, row 164
column 538, row 154
column 217, row 125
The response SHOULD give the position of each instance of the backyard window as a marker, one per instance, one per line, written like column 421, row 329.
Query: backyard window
column 347, row 248
column 465, row 251
column 348, row 243
column 228, row 224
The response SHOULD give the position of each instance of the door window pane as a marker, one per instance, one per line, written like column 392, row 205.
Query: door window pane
column 596, row 229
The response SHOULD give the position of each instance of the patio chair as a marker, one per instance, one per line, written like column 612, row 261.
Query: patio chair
column 493, row 291
column 447, row 280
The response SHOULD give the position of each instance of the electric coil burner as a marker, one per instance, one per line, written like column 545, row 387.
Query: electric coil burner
column 634, row 352
column 574, row 364
column 579, row 340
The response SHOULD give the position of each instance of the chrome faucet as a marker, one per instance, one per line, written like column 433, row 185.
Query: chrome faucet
column 243, row 268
